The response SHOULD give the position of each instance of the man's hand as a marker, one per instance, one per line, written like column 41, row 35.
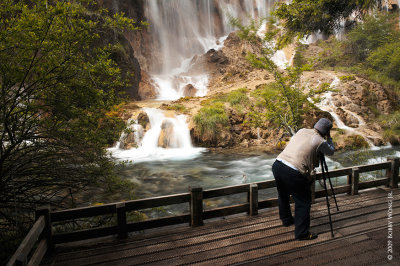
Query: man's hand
column 328, row 136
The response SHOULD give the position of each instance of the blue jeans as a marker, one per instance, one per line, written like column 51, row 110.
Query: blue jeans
column 292, row 182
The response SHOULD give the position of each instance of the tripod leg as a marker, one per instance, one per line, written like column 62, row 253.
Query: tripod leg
column 326, row 193
column 329, row 209
column 330, row 183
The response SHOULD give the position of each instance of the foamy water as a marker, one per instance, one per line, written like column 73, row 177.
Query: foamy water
column 180, row 144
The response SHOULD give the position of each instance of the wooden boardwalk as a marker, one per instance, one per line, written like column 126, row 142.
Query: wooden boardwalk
column 360, row 228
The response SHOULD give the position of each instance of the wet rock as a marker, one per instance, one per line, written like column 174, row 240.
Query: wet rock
column 167, row 138
column 189, row 90
column 143, row 120
column 217, row 57
column 146, row 88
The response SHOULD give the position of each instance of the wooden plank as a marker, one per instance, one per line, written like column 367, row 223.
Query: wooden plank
column 338, row 190
column 373, row 183
column 266, row 184
column 334, row 173
column 159, row 222
column 29, row 241
column 362, row 169
column 157, row 201
column 85, row 234
column 224, row 191
column 82, row 212
column 224, row 211
column 268, row 203
column 374, row 167
column 39, row 253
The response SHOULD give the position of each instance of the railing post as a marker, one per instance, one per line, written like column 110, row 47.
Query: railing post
column 355, row 177
column 253, row 199
column 47, row 231
column 349, row 182
column 196, row 206
column 121, row 217
column 393, row 172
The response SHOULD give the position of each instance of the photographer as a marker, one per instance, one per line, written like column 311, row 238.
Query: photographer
column 292, row 172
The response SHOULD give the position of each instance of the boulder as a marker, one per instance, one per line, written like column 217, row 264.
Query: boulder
column 143, row 120
column 189, row 90
column 167, row 138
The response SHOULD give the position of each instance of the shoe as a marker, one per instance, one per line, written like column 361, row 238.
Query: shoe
column 288, row 223
column 308, row 236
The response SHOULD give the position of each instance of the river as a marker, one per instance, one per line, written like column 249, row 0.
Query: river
column 213, row 169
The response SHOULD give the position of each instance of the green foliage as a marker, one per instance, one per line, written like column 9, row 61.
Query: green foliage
column 285, row 100
column 304, row 17
column 371, row 49
column 211, row 120
column 237, row 97
column 375, row 31
column 60, row 90
column 386, row 60
column 354, row 142
column 176, row 107
column 333, row 54
column 247, row 32
column 347, row 78
column 391, row 125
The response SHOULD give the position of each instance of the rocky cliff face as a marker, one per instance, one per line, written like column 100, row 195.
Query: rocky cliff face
column 136, row 49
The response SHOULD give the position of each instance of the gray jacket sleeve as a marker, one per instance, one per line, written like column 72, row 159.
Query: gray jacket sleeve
column 327, row 147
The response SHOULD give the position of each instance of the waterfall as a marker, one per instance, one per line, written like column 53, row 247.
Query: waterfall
column 181, row 29
column 170, row 131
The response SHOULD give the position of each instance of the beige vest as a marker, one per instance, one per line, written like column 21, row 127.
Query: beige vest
column 301, row 152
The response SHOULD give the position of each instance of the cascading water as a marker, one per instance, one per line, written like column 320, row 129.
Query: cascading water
column 171, row 131
column 328, row 105
column 181, row 29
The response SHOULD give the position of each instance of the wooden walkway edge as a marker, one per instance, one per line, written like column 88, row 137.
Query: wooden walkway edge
column 361, row 238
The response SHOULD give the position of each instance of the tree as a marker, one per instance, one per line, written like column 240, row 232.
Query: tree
column 304, row 17
column 59, row 89
column 375, row 30
column 284, row 100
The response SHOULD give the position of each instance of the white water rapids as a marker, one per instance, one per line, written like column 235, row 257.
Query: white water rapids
column 180, row 146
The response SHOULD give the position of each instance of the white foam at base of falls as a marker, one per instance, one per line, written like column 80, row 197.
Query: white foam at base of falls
column 148, row 150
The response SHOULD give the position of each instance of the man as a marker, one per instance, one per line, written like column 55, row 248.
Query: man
column 292, row 172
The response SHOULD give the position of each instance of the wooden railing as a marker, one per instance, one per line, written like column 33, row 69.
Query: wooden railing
column 42, row 229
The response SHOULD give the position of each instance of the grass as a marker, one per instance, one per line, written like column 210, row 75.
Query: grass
column 210, row 120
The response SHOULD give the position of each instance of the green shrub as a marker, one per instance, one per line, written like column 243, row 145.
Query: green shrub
column 391, row 124
column 210, row 120
column 177, row 107
column 375, row 31
column 237, row 97
column 347, row 78
column 386, row 59
column 354, row 142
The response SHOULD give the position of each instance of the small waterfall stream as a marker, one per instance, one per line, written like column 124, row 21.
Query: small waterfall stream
column 167, row 138
column 328, row 105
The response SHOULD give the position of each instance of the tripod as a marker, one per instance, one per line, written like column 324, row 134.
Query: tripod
column 325, row 175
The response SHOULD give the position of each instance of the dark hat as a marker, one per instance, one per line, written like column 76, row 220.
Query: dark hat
column 323, row 126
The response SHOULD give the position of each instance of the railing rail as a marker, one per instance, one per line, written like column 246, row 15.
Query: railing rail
column 195, row 198
column 39, row 236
